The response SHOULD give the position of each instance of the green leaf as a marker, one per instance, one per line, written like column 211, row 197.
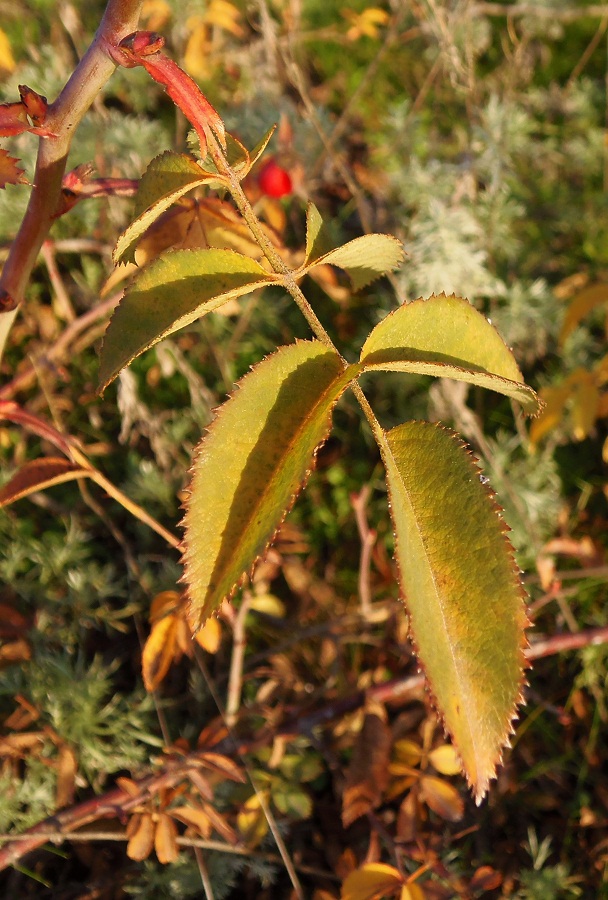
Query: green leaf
column 251, row 465
column 167, row 178
column 174, row 290
column 318, row 240
column 462, row 590
column 254, row 155
column 449, row 338
column 364, row 259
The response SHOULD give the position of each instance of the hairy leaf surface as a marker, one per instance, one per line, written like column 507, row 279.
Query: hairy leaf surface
column 462, row 590
column 251, row 464
column 174, row 290
column 447, row 337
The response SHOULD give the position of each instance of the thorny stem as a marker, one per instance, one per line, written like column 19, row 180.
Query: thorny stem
column 63, row 116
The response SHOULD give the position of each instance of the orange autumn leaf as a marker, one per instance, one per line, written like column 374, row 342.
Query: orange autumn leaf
column 140, row 832
column 10, row 171
column 165, row 839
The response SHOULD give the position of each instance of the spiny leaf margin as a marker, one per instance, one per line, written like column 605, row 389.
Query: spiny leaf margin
column 445, row 336
column 462, row 589
column 251, row 465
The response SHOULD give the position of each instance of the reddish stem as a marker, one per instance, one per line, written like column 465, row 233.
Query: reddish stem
column 62, row 118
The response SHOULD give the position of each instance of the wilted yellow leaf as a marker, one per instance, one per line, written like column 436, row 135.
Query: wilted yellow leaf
column 366, row 23
column 225, row 15
column 412, row 892
column 155, row 14
column 251, row 821
column 159, row 652
column 66, row 777
column 198, row 51
column 210, row 635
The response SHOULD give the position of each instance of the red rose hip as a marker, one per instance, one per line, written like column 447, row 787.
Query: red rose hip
column 274, row 180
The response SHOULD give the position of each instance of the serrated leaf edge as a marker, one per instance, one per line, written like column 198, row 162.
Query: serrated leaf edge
column 480, row 788
column 246, row 575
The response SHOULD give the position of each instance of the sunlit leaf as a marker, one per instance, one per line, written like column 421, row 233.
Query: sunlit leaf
column 140, row 832
column 370, row 882
column 251, row 822
column 7, row 60
column 209, row 637
column 38, row 475
column 364, row 259
column 250, row 466
column 158, row 652
column 67, row 768
column 446, row 337
column 318, row 240
column 194, row 817
column 445, row 760
column 442, row 798
column 172, row 292
column 554, row 399
column 10, row 170
column 461, row 587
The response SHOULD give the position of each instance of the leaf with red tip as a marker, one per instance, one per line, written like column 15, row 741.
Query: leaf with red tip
column 251, row 465
column 462, row 590
column 447, row 337
column 38, row 475
column 143, row 49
